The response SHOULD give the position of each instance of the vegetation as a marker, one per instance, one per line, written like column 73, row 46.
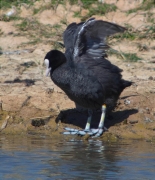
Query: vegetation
column 34, row 29
column 42, row 8
column 146, row 5
column 36, row 10
column 130, row 57
column 9, row 18
column 125, row 35
column 100, row 9
column 84, row 3
column 8, row 3
column 24, row 25
column 77, row 14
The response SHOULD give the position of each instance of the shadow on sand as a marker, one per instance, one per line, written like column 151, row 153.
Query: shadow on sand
column 27, row 82
column 79, row 118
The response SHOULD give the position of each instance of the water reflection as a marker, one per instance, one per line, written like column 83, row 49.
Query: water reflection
column 44, row 158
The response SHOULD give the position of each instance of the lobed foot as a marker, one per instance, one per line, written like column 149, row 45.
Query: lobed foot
column 92, row 132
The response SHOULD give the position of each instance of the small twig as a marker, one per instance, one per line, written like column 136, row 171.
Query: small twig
column 25, row 102
column 4, row 123
column 122, row 54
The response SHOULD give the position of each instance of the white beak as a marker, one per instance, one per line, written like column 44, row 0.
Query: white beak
column 48, row 71
column 47, row 67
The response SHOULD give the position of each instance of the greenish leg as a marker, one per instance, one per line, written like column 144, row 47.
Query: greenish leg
column 87, row 127
column 101, row 124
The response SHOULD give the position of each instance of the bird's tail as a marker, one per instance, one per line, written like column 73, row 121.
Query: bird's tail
column 126, row 83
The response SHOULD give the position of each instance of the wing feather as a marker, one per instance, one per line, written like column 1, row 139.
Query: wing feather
column 91, row 38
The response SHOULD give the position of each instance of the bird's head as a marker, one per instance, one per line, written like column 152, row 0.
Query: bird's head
column 53, row 60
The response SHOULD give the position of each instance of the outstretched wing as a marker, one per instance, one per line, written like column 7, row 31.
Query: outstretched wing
column 91, row 37
column 70, row 34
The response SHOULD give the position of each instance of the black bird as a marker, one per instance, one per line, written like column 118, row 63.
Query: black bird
column 83, row 72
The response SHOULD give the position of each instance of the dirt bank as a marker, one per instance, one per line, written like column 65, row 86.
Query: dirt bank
column 31, row 103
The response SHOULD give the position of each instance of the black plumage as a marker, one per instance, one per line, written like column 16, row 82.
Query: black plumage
column 83, row 72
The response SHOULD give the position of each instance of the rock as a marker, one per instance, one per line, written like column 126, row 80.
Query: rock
column 40, row 121
column 11, row 12
column 150, row 78
column 133, row 121
column 127, row 101
column 4, row 124
column 147, row 120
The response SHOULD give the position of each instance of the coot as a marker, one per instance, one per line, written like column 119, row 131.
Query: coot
column 84, row 73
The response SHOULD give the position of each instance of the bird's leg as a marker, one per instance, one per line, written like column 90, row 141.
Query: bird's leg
column 93, row 132
column 101, row 124
column 81, row 132
column 101, row 128
column 87, row 127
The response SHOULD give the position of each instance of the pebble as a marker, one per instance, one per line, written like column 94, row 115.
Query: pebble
column 151, row 78
column 133, row 121
column 127, row 102
column 4, row 124
column 148, row 120
column 49, row 90
column 37, row 123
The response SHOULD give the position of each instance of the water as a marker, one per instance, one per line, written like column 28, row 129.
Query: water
column 41, row 158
